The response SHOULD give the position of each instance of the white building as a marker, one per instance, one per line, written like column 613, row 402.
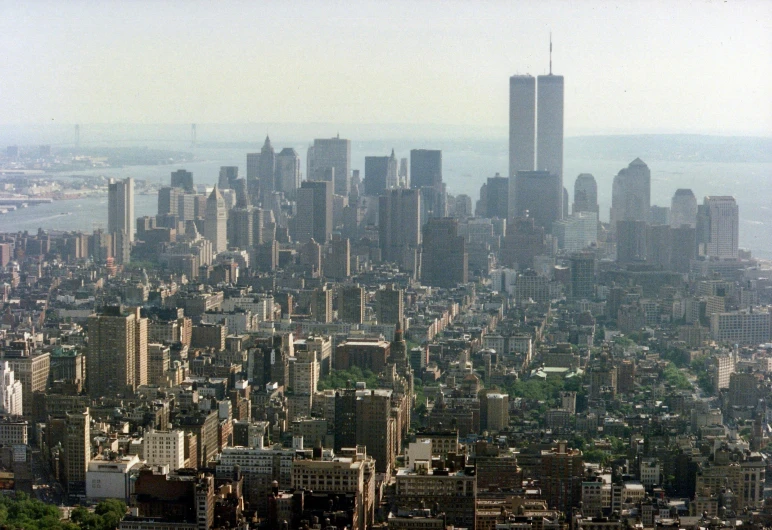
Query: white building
column 110, row 478
column 165, row 448
column 576, row 232
column 10, row 391
column 420, row 450
column 650, row 472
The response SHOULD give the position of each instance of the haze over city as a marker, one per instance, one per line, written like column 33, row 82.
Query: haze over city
column 631, row 67
column 386, row 265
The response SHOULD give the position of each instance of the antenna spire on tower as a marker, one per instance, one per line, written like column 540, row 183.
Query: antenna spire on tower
column 550, row 53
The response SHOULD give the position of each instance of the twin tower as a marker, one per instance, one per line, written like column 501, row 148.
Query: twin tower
column 536, row 131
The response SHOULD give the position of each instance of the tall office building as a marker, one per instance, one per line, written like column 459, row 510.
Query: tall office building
column 288, row 172
column 216, row 221
column 631, row 194
column 536, row 130
column 582, row 276
column 321, row 304
column 29, row 367
column 497, row 197
column 241, row 228
column 351, row 304
column 562, row 472
column 425, row 168
column 683, row 248
column 168, row 200
column 227, row 178
column 184, row 180
column 10, row 391
column 426, row 175
column 522, row 123
column 445, row 261
column 402, row 174
column 253, row 181
column 585, row 194
column 120, row 207
column 331, row 156
column 337, row 258
column 399, row 223
column 164, row 448
column 724, row 222
column 390, row 305
column 549, row 127
column 537, row 194
column 380, row 174
column 117, row 351
column 314, row 212
column 498, row 411
column 266, row 169
column 242, row 193
column 376, row 427
column 77, row 450
column 632, row 241
column 683, row 209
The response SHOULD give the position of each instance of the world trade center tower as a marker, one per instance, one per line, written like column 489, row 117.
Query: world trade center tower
column 522, row 129
column 536, row 130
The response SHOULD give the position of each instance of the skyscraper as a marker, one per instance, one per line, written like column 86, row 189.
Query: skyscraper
column 549, row 127
column 536, row 130
column 351, row 304
column 538, row 195
column 683, row 209
column 724, row 222
column 266, row 169
column 582, row 276
column 445, row 259
column 562, row 472
column 380, row 174
column 314, row 215
column 288, row 172
column 331, row 154
column 497, row 199
column 632, row 241
column 120, row 207
column 228, row 176
column 77, row 450
column 321, row 304
column 183, row 179
column 425, row 168
column 10, row 391
column 631, row 194
column 253, row 181
column 399, row 223
column 585, row 194
column 337, row 258
column 390, row 305
column 522, row 124
column 117, row 351
column 216, row 221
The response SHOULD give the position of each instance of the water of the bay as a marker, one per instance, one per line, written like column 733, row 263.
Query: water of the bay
column 466, row 165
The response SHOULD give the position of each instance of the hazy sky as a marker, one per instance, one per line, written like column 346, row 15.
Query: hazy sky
column 649, row 66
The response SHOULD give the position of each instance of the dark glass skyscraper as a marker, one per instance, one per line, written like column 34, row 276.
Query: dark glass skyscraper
column 445, row 259
column 425, row 168
column 537, row 194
